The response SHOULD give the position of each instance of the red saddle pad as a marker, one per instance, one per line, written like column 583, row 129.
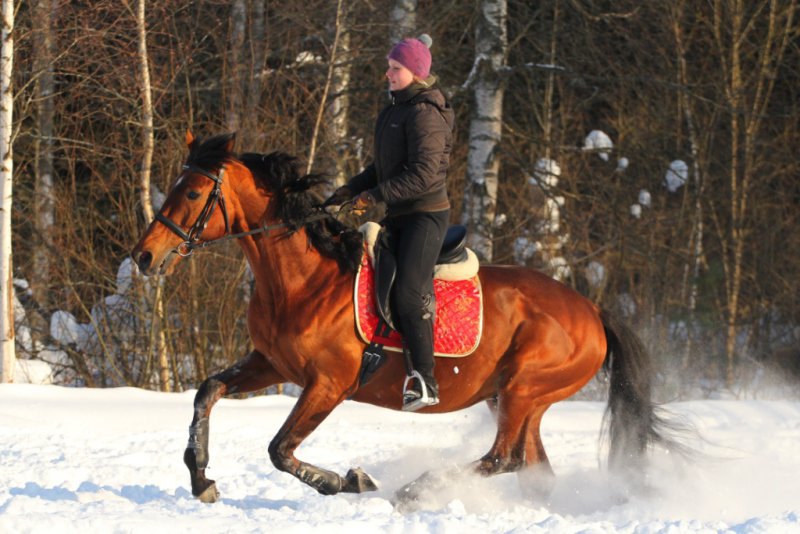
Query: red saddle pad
column 459, row 313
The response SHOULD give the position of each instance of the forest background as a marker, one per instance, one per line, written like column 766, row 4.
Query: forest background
column 643, row 152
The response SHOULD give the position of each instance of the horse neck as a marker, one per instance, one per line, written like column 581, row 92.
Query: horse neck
column 284, row 265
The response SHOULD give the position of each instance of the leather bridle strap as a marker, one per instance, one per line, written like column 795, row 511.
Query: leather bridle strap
column 191, row 237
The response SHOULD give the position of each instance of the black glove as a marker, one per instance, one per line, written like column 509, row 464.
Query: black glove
column 339, row 197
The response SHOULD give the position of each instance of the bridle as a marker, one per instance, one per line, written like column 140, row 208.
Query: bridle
column 191, row 239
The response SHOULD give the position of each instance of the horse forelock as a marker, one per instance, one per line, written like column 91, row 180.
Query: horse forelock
column 211, row 153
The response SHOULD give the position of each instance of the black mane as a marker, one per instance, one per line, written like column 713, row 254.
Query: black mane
column 293, row 192
column 296, row 199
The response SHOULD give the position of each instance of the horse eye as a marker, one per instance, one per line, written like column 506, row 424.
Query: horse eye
column 193, row 195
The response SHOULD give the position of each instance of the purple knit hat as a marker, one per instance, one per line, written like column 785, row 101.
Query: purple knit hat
column 414, row 54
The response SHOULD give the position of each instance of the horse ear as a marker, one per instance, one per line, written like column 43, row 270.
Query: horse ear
column 189, row 138
column 230, row 143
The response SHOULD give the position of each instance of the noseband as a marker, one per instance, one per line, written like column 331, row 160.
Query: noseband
column 192, row 237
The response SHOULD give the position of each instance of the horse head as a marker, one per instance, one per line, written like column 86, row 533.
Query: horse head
column 195, row 209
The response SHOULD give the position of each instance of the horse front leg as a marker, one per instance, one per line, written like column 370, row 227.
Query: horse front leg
column 314, row 405
column 251, row 373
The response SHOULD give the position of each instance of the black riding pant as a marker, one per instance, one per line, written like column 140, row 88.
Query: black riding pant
column 417, row 239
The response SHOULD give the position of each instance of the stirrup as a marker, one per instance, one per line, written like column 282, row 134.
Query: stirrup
column 423, row 400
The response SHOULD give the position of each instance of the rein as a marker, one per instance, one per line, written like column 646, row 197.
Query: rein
column 266, row 229
column 192, row 237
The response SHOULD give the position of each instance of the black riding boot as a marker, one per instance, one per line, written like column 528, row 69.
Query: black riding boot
column 418, row 239
column 420, row 388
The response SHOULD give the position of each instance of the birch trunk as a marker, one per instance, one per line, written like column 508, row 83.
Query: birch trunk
column 258, row 47
column 159, row 344
column 485, row 129
column 234, row 83
column 402, row 20
column 691, row 273
column 7, row 355
column 339, row 108
column 338, row 30
column 553, row 238
column 44, row 201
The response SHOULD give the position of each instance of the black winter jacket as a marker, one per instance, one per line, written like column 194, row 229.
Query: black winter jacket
column 413, row 141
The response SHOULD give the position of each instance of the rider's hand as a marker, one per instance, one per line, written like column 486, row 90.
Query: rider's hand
column 363, row 201
column 339, row 197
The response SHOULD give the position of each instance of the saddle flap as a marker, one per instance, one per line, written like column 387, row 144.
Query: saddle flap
column 385, row 273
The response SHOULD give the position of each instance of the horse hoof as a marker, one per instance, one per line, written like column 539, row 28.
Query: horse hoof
column 357, row 481
column 409, row 497
column 209, row 495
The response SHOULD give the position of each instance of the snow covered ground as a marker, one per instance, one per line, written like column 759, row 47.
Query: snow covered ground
column 83, row 460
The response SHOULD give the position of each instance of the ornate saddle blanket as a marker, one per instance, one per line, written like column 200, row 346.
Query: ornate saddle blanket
column 459, row 306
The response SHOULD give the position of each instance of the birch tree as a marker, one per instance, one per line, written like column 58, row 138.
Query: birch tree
column 339, row 108
column 44, row 208
column 255, row 85
column 691, row 274
column 233, row 80
column 7, row 354
column 338, row 31
column 547, row 171
column 402, row 20
column 158, row 341
column 485, row 129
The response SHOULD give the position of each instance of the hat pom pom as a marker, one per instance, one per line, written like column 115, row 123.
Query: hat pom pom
column 425, row 39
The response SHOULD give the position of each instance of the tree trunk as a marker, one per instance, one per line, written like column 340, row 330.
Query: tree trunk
column 7, row 354
column 234, row 85
column 44, row 201
column 258, row 47
column 160, row 347
column 748, row 88
column 485, row 129
column 402, row 20
column 554, row 238
column 338, row 29
column 339, row 108
column 691, row 274
column 749, row 61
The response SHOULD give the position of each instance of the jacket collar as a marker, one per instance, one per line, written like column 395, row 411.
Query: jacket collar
column 416, row 88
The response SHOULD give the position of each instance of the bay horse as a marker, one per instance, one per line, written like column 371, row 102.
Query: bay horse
column 542, row 341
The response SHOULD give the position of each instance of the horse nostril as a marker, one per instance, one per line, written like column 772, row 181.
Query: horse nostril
column 144, row 260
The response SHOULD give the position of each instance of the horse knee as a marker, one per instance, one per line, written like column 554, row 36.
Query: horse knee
column 209, row 392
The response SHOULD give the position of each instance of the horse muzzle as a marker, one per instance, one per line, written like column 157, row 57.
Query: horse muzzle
column 149, row 265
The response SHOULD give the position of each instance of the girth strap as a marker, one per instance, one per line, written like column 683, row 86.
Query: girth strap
column 373, row 356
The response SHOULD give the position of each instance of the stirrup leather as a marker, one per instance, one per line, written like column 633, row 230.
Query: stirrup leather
column 412, row 404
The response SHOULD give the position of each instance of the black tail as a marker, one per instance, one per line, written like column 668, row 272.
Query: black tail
column 632, row 420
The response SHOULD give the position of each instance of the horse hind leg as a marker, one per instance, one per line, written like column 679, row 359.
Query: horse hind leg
column 251, row 373
column 506, row 455
column 536, row 478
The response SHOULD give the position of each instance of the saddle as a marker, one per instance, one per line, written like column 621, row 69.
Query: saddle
column 454, row 251
column 458, row 299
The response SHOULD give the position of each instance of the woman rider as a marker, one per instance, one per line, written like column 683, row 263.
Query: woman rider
column 413, row 141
